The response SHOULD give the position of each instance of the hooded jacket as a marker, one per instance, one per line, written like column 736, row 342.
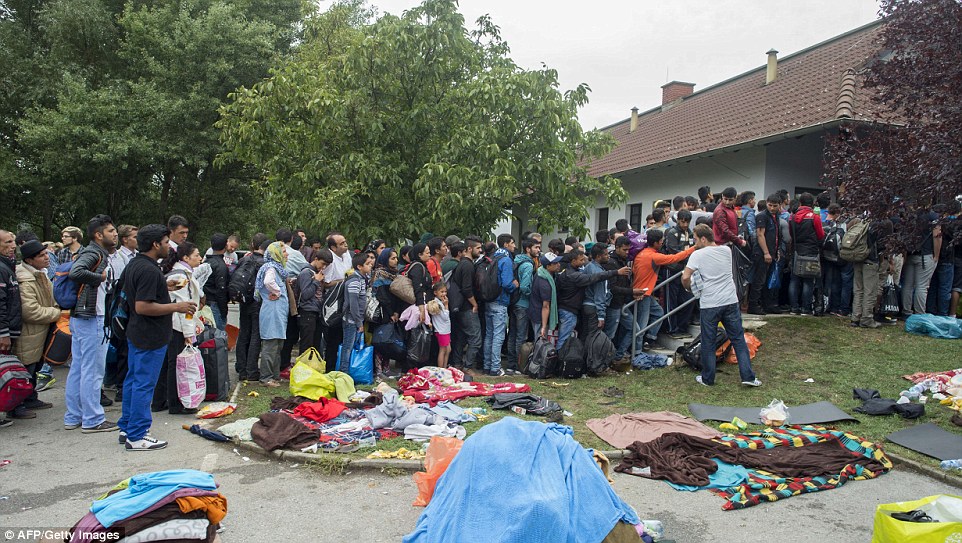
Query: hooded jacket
column 87, row 271
column 619, row 285
column 39, row 311
column 807, row 232
column 525, row 277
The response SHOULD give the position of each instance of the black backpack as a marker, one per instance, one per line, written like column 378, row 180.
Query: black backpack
column 691, row 353
column 571, row 359
column 333, row 310
column 487, row 284
column 599, row 351
column 241, row 285
column 118, row 313
column 542, row 361
column 832, row 243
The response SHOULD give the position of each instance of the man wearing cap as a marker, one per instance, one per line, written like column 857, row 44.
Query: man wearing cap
column 39, row 311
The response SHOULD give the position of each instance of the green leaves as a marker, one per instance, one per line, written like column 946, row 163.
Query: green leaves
column 428, row 126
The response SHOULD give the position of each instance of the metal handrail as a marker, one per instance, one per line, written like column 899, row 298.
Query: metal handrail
column 634, row 321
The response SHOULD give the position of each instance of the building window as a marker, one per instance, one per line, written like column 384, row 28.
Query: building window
column 602, row 218
column 634, row 217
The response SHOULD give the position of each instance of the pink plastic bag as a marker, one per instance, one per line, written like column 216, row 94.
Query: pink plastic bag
column 191, row 378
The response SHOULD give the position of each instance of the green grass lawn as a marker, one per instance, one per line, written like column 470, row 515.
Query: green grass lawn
column 838, row 357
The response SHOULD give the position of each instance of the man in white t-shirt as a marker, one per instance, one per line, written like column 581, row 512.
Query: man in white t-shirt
column 708, row 275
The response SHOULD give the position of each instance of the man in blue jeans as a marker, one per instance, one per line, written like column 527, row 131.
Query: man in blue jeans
column 92, row 274
column 496, row 312
column 708, row 275
column 148, row 333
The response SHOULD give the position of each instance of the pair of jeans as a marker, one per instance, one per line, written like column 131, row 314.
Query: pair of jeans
column 220, row 321
column 271, row 359
column 648, row 310
column 248, row 348
column 800, row 292
column 731, row 318
column 517, row 336
column 917, row 273
column 465, row 338
column 144, row 367
column 567, row 321
column 310, row 331
column 940, row 289
column 832, row 285
column 618, row 328
column 350, row 333
column 496, row 326
column 86, row 375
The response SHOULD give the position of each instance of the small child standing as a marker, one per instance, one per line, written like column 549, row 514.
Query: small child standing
column 441, row 319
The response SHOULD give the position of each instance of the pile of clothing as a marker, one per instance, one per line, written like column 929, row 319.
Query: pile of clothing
column 751, row 468
column 181, row 504
column 431, row 385
column 939, row 381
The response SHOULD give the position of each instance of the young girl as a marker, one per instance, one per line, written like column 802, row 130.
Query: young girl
column 441, row 318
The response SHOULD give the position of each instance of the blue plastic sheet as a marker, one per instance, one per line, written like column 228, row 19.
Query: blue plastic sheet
column 934, row 326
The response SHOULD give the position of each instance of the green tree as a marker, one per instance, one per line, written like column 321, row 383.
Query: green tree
column 412, row 124
column 116, row 105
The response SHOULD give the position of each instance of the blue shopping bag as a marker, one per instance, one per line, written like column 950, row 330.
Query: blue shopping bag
column 775, row 276
column 361, row 368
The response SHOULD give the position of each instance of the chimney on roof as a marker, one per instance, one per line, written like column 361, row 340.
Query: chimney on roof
column 675, row 90
column 772, row 71
column 634, row 120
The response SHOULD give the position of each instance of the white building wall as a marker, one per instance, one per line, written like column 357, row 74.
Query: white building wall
column 744, row 170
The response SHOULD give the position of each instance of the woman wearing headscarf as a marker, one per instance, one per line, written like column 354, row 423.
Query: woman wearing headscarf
column 270, row 288
column 186, row 327
column 404, row 256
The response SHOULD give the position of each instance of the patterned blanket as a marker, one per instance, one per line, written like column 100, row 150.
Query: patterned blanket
column 942, row 378
column 435, row 394
column 767, row 487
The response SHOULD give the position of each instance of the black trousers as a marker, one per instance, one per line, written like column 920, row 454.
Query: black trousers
column 333, row 336
column 121, row 369
column 758, row 294
column 165, row 394
column 289, row 342
column 310, row 330
column 248, row 348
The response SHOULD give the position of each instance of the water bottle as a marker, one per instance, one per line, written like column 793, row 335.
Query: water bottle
column 951, row 464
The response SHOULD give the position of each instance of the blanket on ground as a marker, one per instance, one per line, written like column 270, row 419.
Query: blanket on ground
column 546, row 486
column 622, row 430
column 433, row 395
column 782, row 462
column 942, row 378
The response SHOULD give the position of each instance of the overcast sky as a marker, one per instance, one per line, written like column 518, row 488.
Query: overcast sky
column 625, row 50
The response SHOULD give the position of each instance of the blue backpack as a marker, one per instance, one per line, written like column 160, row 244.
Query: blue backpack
column 66, row 290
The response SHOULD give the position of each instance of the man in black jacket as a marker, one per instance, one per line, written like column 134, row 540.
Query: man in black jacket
column 571, row 282
column 310, row 300
column 10, row 314
column 466, row 325
column 677, row 239
column 618, row 324
column 248, row 349
column 84, row 381
column 215, row 289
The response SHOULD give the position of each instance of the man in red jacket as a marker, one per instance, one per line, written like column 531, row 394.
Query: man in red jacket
column 724, row 220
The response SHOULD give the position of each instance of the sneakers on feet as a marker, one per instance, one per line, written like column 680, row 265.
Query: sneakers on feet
column 122, row 438
column 511, row 372
column 680, row 335
column 104, row 400
column 71, row 426
column 105, row 426
column 498, row 373
column 21, row 412
column 755, row 383
column 147, row 443
column 43, row 383
column 6, row 422
column 700, row 382
column 270, row 383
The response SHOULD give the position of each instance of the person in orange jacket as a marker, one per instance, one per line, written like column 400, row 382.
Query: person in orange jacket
column 645, row 271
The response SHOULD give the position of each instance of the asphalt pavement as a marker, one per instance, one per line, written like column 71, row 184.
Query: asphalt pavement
column 55, row 474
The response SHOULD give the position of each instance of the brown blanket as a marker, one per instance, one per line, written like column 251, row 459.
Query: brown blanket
column 687, row 460
column 280, row 431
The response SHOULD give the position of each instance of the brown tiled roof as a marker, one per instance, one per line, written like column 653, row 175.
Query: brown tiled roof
column 814, row 86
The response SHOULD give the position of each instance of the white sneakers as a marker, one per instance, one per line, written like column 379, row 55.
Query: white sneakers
column 755, row 383
column 147, row 443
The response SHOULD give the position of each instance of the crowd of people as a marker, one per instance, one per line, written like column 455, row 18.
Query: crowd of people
column 481, row 300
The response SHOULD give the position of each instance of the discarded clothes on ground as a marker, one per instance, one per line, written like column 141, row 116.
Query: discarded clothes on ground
column 623, row 430
column 180, row 505
column 874, row 404
column 781, row 462
column 541, row 486
column 532, row 404
column 432, row 385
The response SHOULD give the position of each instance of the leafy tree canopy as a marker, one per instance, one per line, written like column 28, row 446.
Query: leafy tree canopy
column 414, row 123
column 908, row 166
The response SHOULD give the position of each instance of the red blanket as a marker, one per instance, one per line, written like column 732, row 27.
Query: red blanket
column 433, row 395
